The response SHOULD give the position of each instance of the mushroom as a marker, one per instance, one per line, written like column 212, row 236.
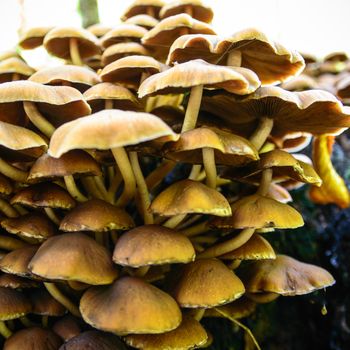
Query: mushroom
column 140, row 7
column 14, row 68
column 33, row 37
column 142, row 20
column 67, row 327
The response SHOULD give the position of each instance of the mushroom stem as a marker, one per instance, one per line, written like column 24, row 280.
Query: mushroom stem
column 150, row 11
column 124, row 166
column 73, row 189
column 142, row 188
column 263, row 298
column 266, row 178
column 45, row 321
column 113, row 186
column 198, row 314
column 38, row 119
column 209, row 166
column 142, row 271
column 27, row 322
column 74, row 52
column 190, row 221
column 227, row 246
column 4, row 331
column 262, row 132
column 57, row 294
column 52, row 216
column 204, row 239
column 157, row 175
column 234, row 58
column 109, row 104
column 192, row 109
column 16, row 76
column 90, row 186
column 9, row 243
column 239, row 324
column 20, row 209
column 12, row 172
column 189, row 10
column 8, row 209
column 234, row 264
column 101, row 187
column 174, row 221
column 195, row 171
column 196, row 229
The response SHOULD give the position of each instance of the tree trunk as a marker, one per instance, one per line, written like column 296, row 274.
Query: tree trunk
column 88, row 10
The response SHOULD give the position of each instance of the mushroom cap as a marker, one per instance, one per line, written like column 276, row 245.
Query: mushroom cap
column 56, row 42
column 188, row 196
column 190, row 334
column 206, row 283
column 75, row 257
column 300, row 83
column 9, row 53
column 33, row 37
column 337, row 56
column 343, row 87
column 123, row 33
column 140, row 7
column 198, row 10
column 75, row 162
column 152, row 245
column 14, row 65
column 13, row 304
column 93, row 340
column 6, row 186
column 236, row 80
column 130, row 306
column 98, row 216
column 243, row 307
column 67, row 327
column 80, row 77
column 142, row 20
column 170, row 28
column 229, row 149
column 16, row 282
column 272, row 62
column 98, row 29
column 33, row 338
column 285, row 276
column 44, row 304
column 34, row 227
column 44, row 195
column 108, row 129
column 256, row 211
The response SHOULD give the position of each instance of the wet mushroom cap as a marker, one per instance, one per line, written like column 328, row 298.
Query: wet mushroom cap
column 152, row 245
column 13, row 304
column 16, row 282
column 44, row 304
column 130, row 306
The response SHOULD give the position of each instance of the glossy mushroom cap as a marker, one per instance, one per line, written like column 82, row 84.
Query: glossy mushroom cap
column 13, row 304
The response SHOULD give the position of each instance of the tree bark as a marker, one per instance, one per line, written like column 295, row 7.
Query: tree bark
column 88, row 10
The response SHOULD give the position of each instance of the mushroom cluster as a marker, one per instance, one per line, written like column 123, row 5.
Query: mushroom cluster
column 138, row 178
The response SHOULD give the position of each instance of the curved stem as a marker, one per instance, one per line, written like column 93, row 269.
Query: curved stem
column 234, row 58
column 124, row 166
column 195, row 171
column 52, row 216
column 158, row 174
column 113, row 186
column 9, row 243
column 12, row 172
column 57, row 294
column 74, row 52
column 142, row 188
column 227, row 246
column 90, row 187
column 101, row 186
column 194, row 218
column 73, row 189
column 8, row 209
column 192, row 109
column 209, row 166
column 266, row 178
column 26, row 322
column 38, row 119
column 262, row 132
column 196, row 229
column 20, row 209
column 4, row 331
column 174, row 221
column 142, row 271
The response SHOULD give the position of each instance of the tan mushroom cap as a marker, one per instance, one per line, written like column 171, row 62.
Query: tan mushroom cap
column 44, row 304
column 44, row 195
column 190, row 334
column 272, row 62
column 183, row 76
column 120, row 50
column 145, row 21
column 152, row 245
column 197, row 10
column 140, row 7
column 343, row 87
column 67, row 327
column 337, row 56
column 74, row 257
column 188, row 196
column 33, row 338
column 13, row 304
column 108, row 129
column 257, row 248
column 122, row 97
column 56, row 42
column 130, row 306
column 14, row 65
column 6, row 187
column 76, row 162
column 300, row 83
column 207, row 283
column 9, row 53
column 94, row 340
column 128, row 70
column 256, row 211
column 229, row 149
column 99, row 29
column 16, row 282
column 285, row 276
column 123, row 33
column 170, row 28
column 33, row 37
column 98, row 216
column 32, row 227
column 315, row 111
column 79, row 77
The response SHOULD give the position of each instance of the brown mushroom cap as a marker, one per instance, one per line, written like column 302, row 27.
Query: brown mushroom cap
column 16, row 282
column 130, row 306
column 145, row 21
column 98, row 29
column 139, row 7
column 190, row 334
column 188, row 196
column 183, row 76
column 6, row 186
column 33, row 37
column 33, row 338
column 14, row 65
column 98, row 216
column 56, row 42
column 44, row 304
column 300, row 83
column 13, row 304
column 286, row 276
column 67, row 327
column 207, row 283
column 152, row 245
column 75, row 257
column 243, row 307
